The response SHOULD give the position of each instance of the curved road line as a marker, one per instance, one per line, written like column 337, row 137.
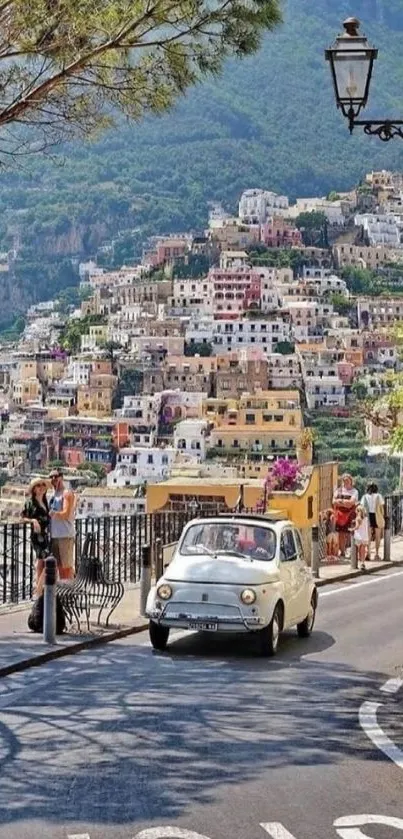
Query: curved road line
column 369, row 723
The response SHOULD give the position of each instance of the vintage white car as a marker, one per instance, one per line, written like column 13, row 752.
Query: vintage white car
column 235, row 573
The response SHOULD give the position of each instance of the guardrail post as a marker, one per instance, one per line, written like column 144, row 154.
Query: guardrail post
column 353, row 556
column 145, row 577
column 315, row 553
column 387, row 532
column 49, row 601
column 159, row 565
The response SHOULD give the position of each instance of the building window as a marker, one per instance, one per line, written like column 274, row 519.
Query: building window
column 250, row 419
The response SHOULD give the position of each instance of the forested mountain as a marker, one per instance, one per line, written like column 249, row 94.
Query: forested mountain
column 270, row 121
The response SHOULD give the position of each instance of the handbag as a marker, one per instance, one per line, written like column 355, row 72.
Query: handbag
column 35, row 617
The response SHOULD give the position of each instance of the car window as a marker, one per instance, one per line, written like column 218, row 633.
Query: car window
column 214, row 537
column 298, row 542
column 288, row 550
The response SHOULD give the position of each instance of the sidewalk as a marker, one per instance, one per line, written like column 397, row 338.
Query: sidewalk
column 21, row 649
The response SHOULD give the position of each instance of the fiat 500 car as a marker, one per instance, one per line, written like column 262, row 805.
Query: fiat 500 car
column 235, row 574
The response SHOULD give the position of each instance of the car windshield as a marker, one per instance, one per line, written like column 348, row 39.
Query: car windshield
column 234, row 539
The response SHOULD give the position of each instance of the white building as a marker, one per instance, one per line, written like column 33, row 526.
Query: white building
column 78, row 372
column 381, row 228
column 144, row 409
column 331, row 209
column 190, row 438
column 244, row 332
column 326, row 391
column 256, row 205
column 136, row 464
column 191, row 296
column 284, row 371
column 110, row 501
column 200, row 330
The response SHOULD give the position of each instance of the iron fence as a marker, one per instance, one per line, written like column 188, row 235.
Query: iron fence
column 119, row 540
column 394, row 513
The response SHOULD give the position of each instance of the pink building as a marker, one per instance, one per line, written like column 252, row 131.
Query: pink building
column 279, row 232
column 234, row 291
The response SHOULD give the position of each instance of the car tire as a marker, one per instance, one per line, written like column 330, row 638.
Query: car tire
column 269, row 636
column 158, row 635
column 305, row 628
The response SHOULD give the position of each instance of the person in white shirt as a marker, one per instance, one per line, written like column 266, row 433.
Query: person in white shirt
column 373, row 504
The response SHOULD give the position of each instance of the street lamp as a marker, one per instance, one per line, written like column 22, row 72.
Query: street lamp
column 351, row 61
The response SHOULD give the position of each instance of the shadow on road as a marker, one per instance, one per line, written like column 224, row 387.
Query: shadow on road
column 121, row 735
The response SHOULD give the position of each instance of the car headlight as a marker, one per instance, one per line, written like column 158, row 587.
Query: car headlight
column 248, row 596
column 164, row 591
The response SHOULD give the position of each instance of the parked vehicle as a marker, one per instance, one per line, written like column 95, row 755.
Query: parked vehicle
column 236, row 573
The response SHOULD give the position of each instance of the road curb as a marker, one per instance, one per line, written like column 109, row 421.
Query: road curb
column 73, row 649
column 350, row 575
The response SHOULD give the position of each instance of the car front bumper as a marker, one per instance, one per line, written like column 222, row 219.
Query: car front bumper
column 227, row 620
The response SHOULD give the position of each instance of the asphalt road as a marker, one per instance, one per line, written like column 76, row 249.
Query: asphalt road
column 211, row 740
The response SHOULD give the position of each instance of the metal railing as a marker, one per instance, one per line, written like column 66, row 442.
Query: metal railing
column 394, row 513
column 119, row 542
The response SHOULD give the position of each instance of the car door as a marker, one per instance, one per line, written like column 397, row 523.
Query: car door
column 289, row 571
column 303, row 579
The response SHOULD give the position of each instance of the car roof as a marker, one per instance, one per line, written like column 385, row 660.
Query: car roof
column 272, row 520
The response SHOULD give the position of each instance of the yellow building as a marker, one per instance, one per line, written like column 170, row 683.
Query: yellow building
column 95, row 399
column 27, row 369
column 302, row 507
column 176, row 493
column 266, row 422
column 50, row 369
column 26, row 391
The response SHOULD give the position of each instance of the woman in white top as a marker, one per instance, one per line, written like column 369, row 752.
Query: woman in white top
column 373, row 504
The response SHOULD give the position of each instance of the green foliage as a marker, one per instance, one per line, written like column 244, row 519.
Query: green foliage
column 56, row 464
column 14, row 332
column 204, row 350
column 359, row 390
column 95, row 468
column 284, row 348
column 341, row 304
column 70, row 339
column 67, row 66
column 313, row 226
column 270, row 121
column 197, row 266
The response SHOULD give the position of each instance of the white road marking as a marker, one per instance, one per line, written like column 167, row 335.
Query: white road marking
column 168, row 833
column 369, row 724
column 350, row 825
column 276, row 830
column 392, row 686
column 353, row 585
column 79, row 836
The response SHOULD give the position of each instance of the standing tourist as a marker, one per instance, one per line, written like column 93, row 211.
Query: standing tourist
column 361, row 535
column 345, row 501
column 36, row 513
column 373, row 503
column 62, row 525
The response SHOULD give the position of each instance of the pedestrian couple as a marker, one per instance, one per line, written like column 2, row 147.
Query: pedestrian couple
column 364, row 520
column 52, row 525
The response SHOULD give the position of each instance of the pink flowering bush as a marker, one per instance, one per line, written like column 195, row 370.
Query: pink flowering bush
column 284, row 476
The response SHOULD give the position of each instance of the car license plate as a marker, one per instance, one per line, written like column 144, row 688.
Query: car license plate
column 203, row 627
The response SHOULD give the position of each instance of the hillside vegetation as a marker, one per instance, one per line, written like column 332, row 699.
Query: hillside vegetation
column 270, row 121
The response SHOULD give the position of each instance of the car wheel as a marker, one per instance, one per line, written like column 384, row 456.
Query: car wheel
column 158, row 635
column 305, row 628
column 270, row 635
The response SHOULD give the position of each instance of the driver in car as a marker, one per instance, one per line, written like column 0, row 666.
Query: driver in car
column 263, row 547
